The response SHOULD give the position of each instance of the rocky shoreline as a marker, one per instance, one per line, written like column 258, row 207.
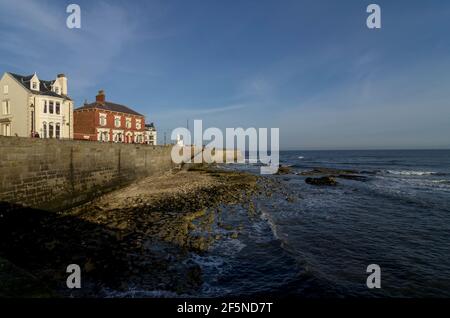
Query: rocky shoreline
column 135, row 236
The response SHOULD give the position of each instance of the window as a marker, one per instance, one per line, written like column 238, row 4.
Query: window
column 57, row 107
column 50, row 107
column 44, row 129
column 57, row 90
column 5, row 129
column 102, row 119
column 6, row 107
column 128, row 123
column 34, row 85
column 103, row 136
column 117, row 121
column 138, row 124
column 45, row 107
column 57, row 131
column 5, row 89
column 118, row 137
column 50, row 130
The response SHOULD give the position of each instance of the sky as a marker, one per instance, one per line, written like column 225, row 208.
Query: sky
column 310, row 68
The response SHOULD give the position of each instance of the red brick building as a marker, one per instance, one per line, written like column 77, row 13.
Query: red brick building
column 108, row 122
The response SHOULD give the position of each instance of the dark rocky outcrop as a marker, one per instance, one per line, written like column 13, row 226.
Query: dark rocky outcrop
column 284, row 170
column 327, row 171
column 323, row 181
column 352, row 177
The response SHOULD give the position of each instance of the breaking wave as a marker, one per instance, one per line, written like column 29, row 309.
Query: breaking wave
column 414, row 173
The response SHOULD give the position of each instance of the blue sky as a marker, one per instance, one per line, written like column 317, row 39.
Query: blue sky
column 311, row 68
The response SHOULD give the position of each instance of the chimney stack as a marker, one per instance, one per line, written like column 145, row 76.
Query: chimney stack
column 100, row 97
column 62, row 79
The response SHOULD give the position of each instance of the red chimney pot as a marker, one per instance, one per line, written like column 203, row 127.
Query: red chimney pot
column 100, row 97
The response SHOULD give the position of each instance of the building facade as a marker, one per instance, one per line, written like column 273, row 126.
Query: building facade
column 150, row 136
column 32, row 107
column 108, row 122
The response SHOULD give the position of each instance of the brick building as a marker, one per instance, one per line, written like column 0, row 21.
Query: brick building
column 108, row 122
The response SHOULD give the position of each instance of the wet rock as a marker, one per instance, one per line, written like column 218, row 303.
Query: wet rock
column 283, row 170
column 352, row 177
column 327, row 171
column 323, row 181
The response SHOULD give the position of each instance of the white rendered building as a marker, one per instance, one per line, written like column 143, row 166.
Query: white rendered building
column 31, row 107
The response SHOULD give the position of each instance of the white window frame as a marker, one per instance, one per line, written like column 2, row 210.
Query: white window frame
column 117, row 119
column 128, row 122
column 104, row 117
column 5, row 129
column 102, row 132
column 34, row 86
column 6, row 107
column 5, row 89
column 138, row 123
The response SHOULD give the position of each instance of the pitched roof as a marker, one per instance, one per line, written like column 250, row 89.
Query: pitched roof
column 111, row 107
column 45, row 87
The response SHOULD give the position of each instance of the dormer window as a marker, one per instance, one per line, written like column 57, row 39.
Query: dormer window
column 57, row 90
column 34, row 86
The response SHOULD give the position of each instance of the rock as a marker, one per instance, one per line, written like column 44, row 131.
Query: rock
column 89, row 266
column 352, row 177
column 323, row 181
column 122, row 225
column 283, row 170
column 328, row 171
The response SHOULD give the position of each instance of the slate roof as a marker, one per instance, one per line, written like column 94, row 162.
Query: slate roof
column 44, row 87
column 111, row 107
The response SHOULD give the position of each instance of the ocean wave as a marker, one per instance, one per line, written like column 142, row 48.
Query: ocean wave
column 301, row 157
column 414, row 173
column 441, row 181
column 141, row 293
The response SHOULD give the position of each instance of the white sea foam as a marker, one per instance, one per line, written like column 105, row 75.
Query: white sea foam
column 301, row 157
column 411, row 172
column 268, row 218
column 441, row 181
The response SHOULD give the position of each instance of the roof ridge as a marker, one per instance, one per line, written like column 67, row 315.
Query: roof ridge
column 111, row 106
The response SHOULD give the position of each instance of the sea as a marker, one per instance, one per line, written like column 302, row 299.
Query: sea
column 313, row 241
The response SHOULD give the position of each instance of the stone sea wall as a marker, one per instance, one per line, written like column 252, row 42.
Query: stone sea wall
column 55, row 174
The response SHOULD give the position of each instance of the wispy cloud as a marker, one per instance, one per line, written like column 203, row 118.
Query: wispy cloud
column 198, row 112
column 36, row 33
